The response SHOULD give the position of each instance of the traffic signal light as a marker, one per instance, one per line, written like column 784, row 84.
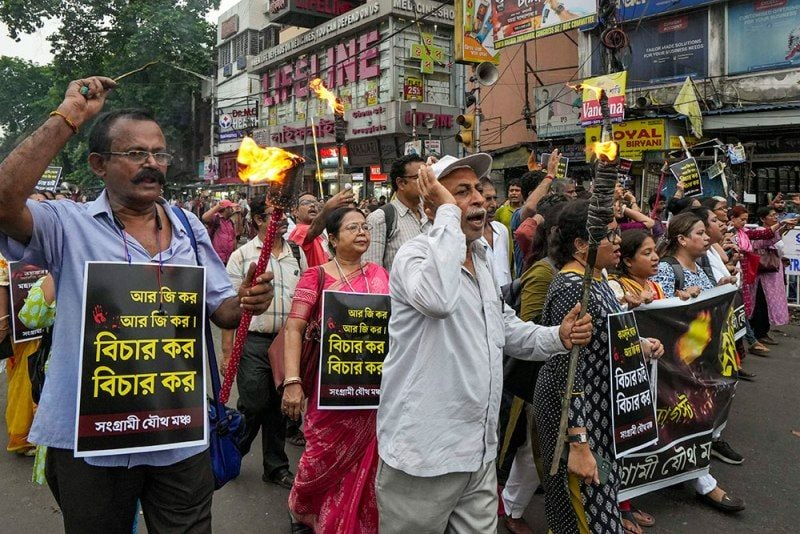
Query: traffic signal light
column 466, row 135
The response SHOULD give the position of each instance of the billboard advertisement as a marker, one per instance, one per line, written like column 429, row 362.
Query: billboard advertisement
column 638, row 9
column 516, row 22
column 234, row 121
column 558, row 111
column 474, row 32
column 773, row 24
column 667, row 49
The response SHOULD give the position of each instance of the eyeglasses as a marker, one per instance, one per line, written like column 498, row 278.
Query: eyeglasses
column 140, row 156
column 410, row 176
column 307, row 202
column 355, row 228
column 613, row 235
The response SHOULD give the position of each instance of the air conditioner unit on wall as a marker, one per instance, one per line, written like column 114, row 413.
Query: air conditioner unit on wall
column 241, row 63
column 227, row 70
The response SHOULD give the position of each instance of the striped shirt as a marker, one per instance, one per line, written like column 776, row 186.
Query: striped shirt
column 286, row 272
column 407, row 227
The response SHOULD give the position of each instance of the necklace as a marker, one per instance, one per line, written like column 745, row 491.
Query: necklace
column 344, row 278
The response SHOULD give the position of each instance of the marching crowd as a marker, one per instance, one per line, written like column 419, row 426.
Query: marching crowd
column 485, row 307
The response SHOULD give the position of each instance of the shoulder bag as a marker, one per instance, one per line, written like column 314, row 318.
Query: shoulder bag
column 309, row 349
column 226, row 424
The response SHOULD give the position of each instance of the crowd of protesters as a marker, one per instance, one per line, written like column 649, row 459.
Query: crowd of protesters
column 441, row 452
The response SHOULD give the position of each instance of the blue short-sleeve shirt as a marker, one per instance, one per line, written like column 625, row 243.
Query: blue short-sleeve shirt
column 65, row 236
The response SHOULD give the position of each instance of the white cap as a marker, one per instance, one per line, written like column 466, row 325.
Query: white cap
column 480, row 163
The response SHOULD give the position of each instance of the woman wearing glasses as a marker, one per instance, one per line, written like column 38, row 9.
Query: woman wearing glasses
column 584, row 503
column 334, row 488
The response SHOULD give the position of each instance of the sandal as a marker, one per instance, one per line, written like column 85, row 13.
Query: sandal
column 643, row 518
column 758, row 349
column 629, row 524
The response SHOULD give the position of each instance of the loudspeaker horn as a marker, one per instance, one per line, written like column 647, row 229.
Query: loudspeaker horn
column 486, row 73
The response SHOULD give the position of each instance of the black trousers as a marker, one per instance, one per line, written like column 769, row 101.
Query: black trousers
column 260, row 403
column 759, row 321
column 102, row 500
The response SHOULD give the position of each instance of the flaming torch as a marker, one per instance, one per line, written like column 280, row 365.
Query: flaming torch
column 280, row 169
column 340, row 126
column 601, row 213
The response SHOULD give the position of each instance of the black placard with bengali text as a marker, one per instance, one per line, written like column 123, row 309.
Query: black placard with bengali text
column 142, row 373
column 696, row 384
column 633, row 412
column 22, row 277
column 688, row 172
column 354, row 343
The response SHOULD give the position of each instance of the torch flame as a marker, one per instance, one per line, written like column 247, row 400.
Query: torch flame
column 323, row 93
column 606, row 151
column 269, row 164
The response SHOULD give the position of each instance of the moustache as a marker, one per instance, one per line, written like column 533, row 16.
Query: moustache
column 147, row 175
column 476, row 213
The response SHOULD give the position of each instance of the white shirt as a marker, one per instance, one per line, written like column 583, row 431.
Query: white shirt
column 286, row 272
column 443, row 374
column 498, row 253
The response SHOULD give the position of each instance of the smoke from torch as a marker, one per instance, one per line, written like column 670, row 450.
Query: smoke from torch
column 280, row 169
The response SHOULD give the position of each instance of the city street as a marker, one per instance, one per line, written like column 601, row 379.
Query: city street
column 763, row 416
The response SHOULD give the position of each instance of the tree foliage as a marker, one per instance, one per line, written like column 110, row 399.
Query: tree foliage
column 111, row 37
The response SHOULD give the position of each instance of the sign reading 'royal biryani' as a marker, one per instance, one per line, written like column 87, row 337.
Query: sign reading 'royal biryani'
column 142, row 373
column 354, row 343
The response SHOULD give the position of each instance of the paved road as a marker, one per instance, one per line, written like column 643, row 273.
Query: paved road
column 764, row 414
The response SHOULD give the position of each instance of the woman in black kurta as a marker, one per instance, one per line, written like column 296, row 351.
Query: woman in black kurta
column 575, row 501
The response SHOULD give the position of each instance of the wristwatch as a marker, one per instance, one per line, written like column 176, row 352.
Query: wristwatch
column 578, row 438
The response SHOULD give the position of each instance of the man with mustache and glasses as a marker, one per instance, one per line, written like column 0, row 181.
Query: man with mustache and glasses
column 442, row 377
column 130, row 223
column 259, row 401
column 310, row 219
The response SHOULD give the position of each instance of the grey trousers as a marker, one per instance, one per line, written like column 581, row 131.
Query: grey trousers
column 452, row 503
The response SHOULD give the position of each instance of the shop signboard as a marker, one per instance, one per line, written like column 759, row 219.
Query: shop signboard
column 638, row 9
column 613, row 85
column 668, row 49
column 763, row 34
column 474, row 32
column 516, row 22
column 412, row 88
column 634, row 138
column 307, row 13
column 234, row 121
column 558, row 111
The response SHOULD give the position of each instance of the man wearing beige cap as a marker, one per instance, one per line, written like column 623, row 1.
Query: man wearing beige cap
column 221, row 228
column 442, row 378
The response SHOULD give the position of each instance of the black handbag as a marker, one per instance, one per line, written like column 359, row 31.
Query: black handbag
column 37, row 363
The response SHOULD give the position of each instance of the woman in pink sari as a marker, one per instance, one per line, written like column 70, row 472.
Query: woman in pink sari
column 334, row 488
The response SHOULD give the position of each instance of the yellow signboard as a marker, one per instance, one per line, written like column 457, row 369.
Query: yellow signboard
column 634, row 137
column 474, row 39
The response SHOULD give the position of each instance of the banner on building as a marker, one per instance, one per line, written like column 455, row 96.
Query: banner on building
column 233, row 122
column 614, row 87
column 558, row 111
column 669, row 49
column 694, row 390
column 633, row 137
column 354, row 342
column 50, row 179
column 791, row 251
column 22, row 277
column 474, row 32
column 763, row 34
column 633, row 410
column 141, row 380
column 517, row 22
column 640, row 9
column 412, row 88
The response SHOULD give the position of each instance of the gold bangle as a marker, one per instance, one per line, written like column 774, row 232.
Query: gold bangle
column 69, row 122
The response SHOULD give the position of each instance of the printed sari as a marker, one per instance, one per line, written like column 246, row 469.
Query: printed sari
column 334, row 488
